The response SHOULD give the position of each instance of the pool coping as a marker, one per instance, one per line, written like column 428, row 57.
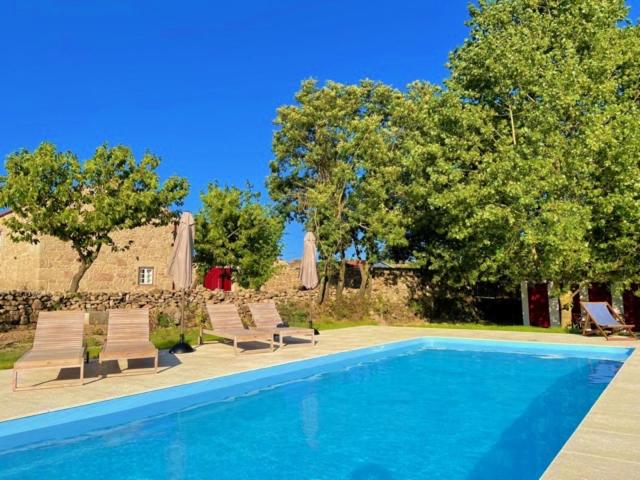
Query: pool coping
column 603, row 446
column 311, row 365
column 534, row 345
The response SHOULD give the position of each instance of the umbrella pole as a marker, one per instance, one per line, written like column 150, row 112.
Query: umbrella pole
column 182, row 346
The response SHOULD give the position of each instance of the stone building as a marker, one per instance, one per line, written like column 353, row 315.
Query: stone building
column 50, row 264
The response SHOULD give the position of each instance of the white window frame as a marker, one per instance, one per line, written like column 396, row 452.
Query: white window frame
column 146, row 276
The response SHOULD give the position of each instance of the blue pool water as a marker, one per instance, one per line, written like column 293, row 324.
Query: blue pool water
column 425, row 411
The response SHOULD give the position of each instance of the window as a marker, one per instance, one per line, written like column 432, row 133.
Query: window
column 145, row 276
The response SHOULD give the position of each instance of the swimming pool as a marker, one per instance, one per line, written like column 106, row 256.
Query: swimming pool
column 426, row 408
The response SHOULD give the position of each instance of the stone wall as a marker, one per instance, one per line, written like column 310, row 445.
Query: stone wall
column 19, row 309
column 49, row 265
column 285, row 277
column 391, row 293
column 18, row 262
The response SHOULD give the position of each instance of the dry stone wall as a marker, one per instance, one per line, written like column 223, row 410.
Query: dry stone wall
column 19, row 309
column 391, row 293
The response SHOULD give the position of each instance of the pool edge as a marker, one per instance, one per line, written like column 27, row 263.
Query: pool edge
column 126, row 406
column 417, row 339
column 587, row 453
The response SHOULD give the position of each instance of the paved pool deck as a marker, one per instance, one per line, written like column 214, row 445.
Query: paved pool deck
column 605, row 445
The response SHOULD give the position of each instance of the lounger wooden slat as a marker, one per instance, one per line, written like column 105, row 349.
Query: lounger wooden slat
column 58, row 343
column 226, row 323
column 128, row 337
column 605, row 319
column 266, row 317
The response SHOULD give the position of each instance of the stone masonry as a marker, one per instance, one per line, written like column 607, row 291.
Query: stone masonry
column 19, row 309
column 49, row 265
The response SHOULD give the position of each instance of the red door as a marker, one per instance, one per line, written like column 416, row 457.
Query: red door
column 599, row 292
column 219, row 278
column 631, row 305
column 539, row 305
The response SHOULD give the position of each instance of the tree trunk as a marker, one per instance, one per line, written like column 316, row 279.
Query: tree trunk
column 82, row 269
column 365, row 278
column 341, row 277
column 324, row 283
column 85, row 260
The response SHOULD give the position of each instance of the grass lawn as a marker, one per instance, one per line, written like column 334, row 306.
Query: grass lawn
column 333, row 324
column 10, row 355
column 328, row 324
column 165, row 338
column 162, row 338
column 491, row 326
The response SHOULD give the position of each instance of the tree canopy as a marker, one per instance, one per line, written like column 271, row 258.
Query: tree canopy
column 83, row 203
column 548, row 189
column 335, row 168
column 234, row 229
column 523, row 165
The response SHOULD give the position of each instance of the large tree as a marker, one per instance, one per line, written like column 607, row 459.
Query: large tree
column 528, row 163
column 233, row 228
column 335, row 170
column 84, row 203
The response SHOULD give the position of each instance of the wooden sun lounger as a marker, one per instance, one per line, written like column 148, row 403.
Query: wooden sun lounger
column 58, row 343
column 128, row 337
column 604, row 318
column 266, row 317
column 226, row 323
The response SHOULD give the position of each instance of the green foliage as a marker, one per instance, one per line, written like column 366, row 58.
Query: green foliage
column 526, row 167
column 234, row 229
column 201, row 317
column 336, row 167
column 164, row 320
column 53, row 193
column 294, row 313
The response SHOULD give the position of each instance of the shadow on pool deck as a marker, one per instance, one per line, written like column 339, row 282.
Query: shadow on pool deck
column 94, row 373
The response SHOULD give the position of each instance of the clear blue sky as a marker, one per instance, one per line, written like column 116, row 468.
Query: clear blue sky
column 198, row 82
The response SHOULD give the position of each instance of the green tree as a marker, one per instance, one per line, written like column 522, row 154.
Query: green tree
column 312, row 173
column 335, row 170
column 527, row 164
column 234, row 229
column 53, row 193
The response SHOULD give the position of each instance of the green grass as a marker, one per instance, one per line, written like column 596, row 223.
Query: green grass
column 162, row 338
column 8, row 356
column 334, row 324
column 491, row 326
column 327, row 324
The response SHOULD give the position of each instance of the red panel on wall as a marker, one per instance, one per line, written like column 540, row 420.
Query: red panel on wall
column 219, row 278
column 599, row 292
column 631, row 305
column 539, row 305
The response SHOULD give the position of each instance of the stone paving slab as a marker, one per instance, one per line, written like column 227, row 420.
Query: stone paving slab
column 603, row 446
column 606, row 444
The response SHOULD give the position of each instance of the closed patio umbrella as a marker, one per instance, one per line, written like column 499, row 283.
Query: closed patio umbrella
column 181, row 269
column 308, row 267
